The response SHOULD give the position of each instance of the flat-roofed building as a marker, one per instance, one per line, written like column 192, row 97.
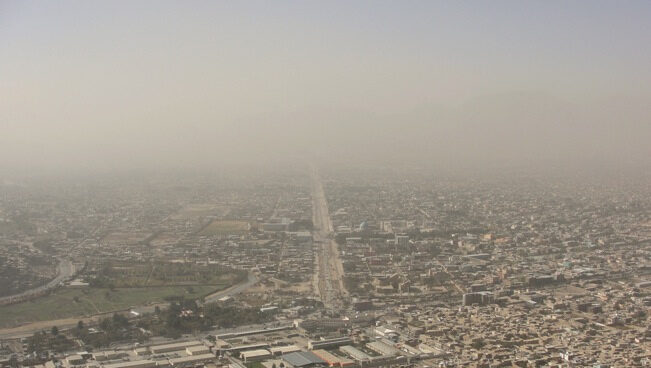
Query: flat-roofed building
column 329, row 343
column 142, row 351
column 331, row 359
column 301, row 359
column 133, row 364
column 75, row 359
column 382, row 348
column 191, row 360
column 355, row 353
column 255, row 355
column 197, row 350
column 162, row 363
column 410, row 350
column 179, row 346
column 280, row 350
column 108, row 355
column 252, row 332
column 239, row 348
column 431, row 351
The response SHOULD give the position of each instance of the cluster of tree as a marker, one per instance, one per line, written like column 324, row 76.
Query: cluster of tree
column 182, row 316
column 478, row 344
column 115, row 323
column 46, row 245
column 111, row 329
column 353, row 284
column 185, row 316
column 40, row 343
column 104, row 277
column 307, row 302
column 229, row 316
column 101, row 282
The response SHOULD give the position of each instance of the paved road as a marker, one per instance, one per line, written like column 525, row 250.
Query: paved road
column 329, row 283
column 65, row 270
column 233, row 290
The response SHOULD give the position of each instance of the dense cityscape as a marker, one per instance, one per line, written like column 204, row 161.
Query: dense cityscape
column 335, row 267
column 325, row 184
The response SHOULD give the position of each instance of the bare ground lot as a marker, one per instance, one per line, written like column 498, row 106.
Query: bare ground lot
column 225, row 227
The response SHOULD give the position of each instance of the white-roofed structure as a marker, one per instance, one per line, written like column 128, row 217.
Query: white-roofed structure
column 179, row 346
column 255, row 355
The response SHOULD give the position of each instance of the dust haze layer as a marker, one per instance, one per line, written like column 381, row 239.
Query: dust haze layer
column 124, row 86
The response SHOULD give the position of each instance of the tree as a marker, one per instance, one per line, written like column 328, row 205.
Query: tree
column 80, row 325
column 478, row 344
column 105, row 324
column 36, row 342
column 120, row 321
column 54, row 331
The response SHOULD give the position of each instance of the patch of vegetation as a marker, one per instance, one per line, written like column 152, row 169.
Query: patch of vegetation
column 42, row 341
column 114, row 274
column 353, row 284
column 77, row 302
column 45, row 245
column 14, row 280
column 110, row 330
column 185, row 316
column 225, row 227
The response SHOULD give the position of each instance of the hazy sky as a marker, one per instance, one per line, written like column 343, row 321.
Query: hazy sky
column 128, row 84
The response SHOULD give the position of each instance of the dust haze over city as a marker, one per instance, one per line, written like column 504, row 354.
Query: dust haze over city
column 271, row 184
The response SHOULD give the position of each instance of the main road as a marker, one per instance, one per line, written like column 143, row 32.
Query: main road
column 328, row 278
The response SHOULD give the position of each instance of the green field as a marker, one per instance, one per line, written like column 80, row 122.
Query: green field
column 80, row 302
column 135, row 274
column 225, row 227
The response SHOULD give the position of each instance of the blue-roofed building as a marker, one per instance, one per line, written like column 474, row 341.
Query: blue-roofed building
column 301, row 359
